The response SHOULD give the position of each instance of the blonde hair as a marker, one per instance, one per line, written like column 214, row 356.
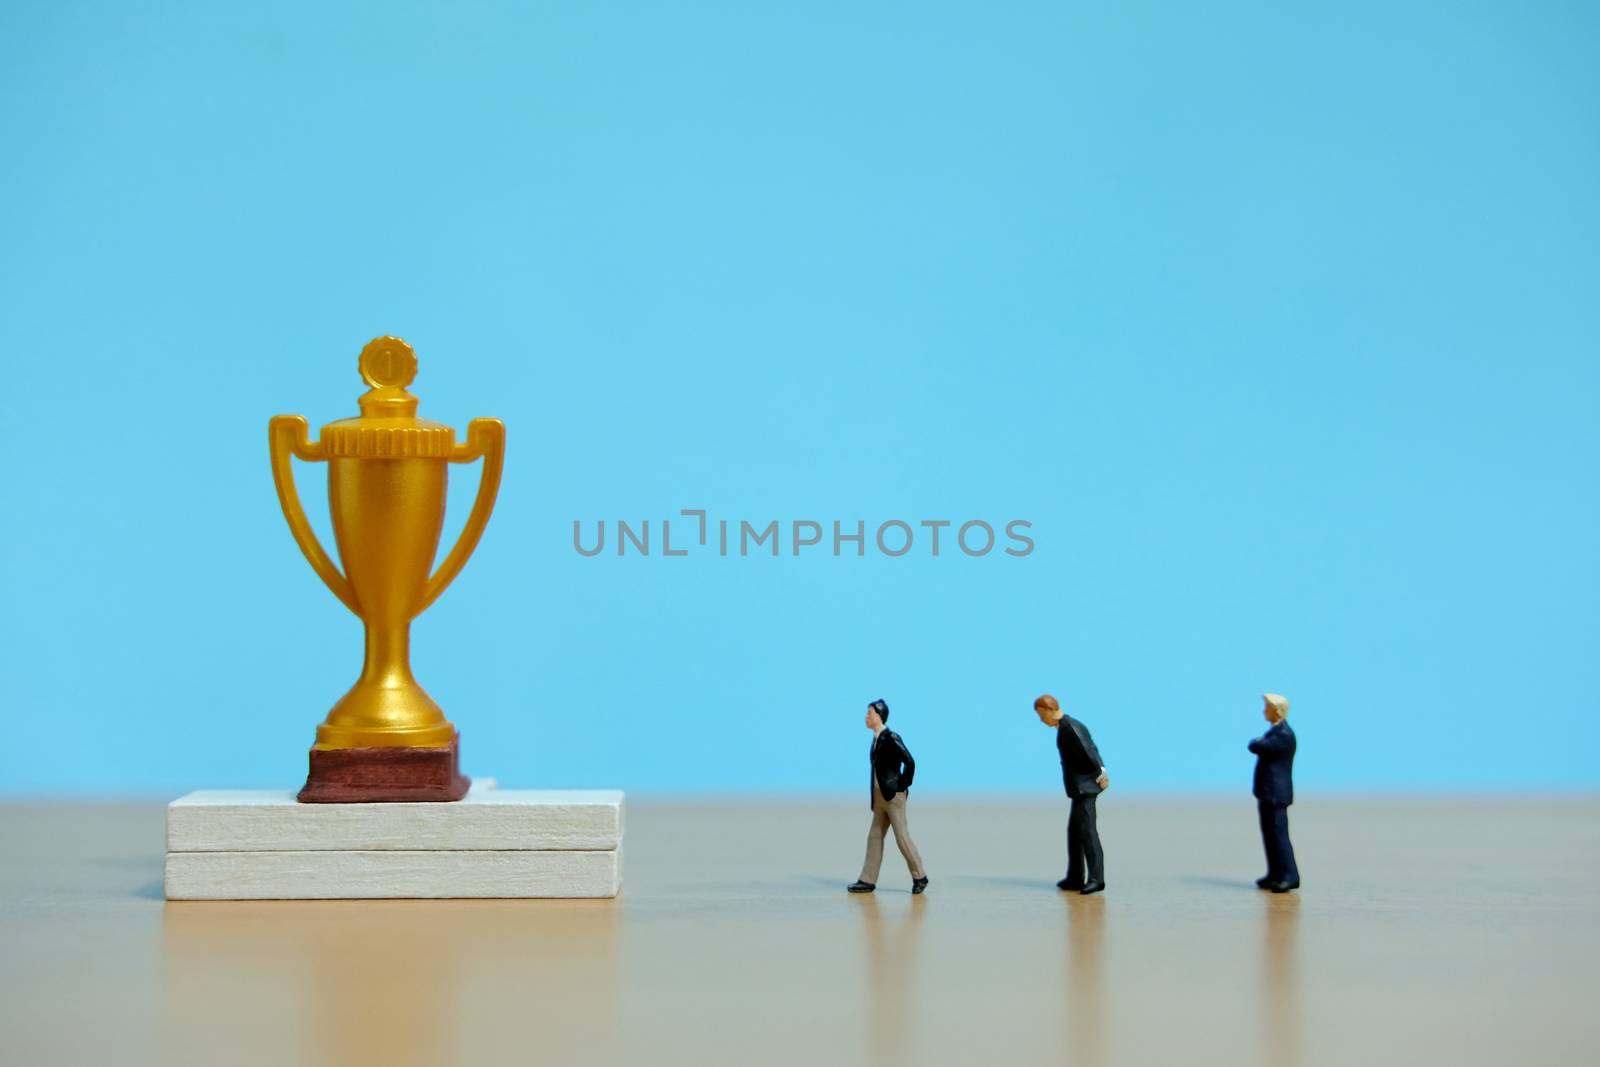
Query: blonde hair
column 1048, row 702
column 1279, row 703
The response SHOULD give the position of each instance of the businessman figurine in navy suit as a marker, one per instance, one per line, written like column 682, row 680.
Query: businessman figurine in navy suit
column 1084, row 775
column 1274, row 790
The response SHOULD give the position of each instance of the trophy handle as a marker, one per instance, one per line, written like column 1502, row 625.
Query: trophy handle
column 288, row 436
column 485, row 438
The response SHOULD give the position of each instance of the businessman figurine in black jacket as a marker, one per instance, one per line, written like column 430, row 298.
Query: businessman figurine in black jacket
column 892, row 771
column 1274, row 790
column 1084, row 775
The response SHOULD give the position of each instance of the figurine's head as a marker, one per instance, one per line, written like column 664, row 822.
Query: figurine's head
column 877, row 715
column 1048, row 708
column 1274, row 708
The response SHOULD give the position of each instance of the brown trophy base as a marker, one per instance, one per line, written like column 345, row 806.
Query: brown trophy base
column 385, row 775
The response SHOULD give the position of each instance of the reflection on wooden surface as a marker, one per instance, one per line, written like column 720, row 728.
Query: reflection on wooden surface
column 1086, row 979
column 1280, row 977
column 393, row 981
column 892, row 973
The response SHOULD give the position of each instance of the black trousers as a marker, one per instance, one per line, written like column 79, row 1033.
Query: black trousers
column 1083, row 843
column 1275, row 839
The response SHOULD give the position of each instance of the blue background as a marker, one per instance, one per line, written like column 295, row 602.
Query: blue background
column 1280, row 326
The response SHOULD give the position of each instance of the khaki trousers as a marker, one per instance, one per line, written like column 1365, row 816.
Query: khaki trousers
column 886, row 814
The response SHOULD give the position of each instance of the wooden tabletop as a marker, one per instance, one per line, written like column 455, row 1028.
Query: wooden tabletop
column 1429, row 930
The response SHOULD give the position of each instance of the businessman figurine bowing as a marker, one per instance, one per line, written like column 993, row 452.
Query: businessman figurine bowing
column 1084, row 775
column 892, row 770
column 1274, row 790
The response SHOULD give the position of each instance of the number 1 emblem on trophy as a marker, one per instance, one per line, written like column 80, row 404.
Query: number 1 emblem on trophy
column 386, row 740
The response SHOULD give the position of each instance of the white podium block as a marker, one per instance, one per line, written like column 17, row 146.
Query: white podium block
column 391, row 873
column 264, row 845
column 269, row 820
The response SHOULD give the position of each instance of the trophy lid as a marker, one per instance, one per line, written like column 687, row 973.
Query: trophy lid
column 388, row 427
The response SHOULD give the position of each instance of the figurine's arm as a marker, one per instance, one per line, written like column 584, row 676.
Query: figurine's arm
column 1271, row 742
column 909, row 770
column 1093, row 753
column 1088, row 746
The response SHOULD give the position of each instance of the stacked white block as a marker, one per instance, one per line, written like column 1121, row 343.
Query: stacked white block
column 264, row 845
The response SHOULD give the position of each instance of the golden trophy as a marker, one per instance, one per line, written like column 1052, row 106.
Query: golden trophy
column 386, row 740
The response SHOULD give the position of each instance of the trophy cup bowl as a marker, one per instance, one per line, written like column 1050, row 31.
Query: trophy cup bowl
column 386, row 739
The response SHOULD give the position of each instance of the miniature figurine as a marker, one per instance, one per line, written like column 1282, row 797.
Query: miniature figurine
column 1274, row 790
column 891, row 771
column 1085, row 777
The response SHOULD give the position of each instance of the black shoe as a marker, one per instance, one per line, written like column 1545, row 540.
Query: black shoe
column 918, row 885
column 1265, row 881
column 1069, row 885
column 861, row 887
column 1093, row 885
column 1284, row 887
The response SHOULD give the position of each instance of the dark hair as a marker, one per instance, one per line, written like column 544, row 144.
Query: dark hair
column 882, row 708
